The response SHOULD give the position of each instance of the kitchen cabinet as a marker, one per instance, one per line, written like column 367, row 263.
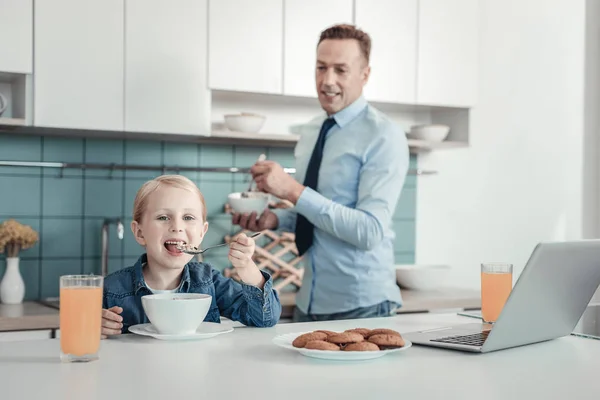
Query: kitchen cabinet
column 447, row 52
column 304, row 20
column 245, row 45
column 16, row 31
column 78, row 80
column 392, row 25
column 165, row 66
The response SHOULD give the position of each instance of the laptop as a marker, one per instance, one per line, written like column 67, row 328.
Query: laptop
column 547, row 302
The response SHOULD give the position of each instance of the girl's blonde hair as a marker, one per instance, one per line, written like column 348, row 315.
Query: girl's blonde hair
column 179, row 181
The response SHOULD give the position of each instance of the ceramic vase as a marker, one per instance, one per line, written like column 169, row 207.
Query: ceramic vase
column 12, row 287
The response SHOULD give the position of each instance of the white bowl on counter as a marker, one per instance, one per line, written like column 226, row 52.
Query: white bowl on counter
column 255, row 202
column 430, row 133
column 244, row 122
column 421, row 277
column 176, row 313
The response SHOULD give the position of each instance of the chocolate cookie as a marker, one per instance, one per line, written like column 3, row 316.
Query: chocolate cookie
column 363, row 331
column 382, row 331
column 362, row 346
column 301, row 340
column 321, row 345
column 387, row 341
column 346, row 337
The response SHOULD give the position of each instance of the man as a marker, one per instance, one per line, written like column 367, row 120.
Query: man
column 350, row 171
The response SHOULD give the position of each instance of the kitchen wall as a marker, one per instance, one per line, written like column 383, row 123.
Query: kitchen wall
column 530, row 171
column 68, row 211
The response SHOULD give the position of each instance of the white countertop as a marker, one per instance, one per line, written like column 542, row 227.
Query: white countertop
column 37, row 315
column 27, row 316
column 445, row 298
column 245, row 364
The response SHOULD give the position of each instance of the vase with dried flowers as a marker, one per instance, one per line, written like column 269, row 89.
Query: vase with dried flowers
column 14, row 238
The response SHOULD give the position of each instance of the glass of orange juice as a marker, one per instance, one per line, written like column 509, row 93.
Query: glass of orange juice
column 80, row 317
column 496, row 284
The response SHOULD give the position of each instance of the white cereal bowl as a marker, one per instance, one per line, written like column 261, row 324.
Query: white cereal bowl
column 430, row 133
column 421, row 277
column 244, row 122
column 256, row 201
column 176, row 313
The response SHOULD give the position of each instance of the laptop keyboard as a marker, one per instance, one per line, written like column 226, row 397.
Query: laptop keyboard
column 475, row 339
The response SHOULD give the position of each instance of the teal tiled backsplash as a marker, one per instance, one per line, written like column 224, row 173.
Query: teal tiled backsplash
column 67, row 210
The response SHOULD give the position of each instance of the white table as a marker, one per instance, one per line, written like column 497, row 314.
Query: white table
column 245, row 364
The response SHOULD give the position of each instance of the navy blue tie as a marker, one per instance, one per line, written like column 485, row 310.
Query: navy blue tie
column 304, row 228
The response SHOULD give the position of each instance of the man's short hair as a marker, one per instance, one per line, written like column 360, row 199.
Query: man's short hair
column 345, row 31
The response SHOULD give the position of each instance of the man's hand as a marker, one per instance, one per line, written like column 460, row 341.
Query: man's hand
column 268, row 220
column 271, row 178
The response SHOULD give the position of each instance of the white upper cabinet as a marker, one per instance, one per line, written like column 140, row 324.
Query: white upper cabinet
column 246, row 45
column 16, row 31
column 392, row 26
column 165, row 66
column 304, row 20
column 78, row 80
column 447, row 52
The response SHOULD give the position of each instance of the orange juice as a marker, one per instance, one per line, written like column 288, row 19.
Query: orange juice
column 80, row 320
column 495, row 289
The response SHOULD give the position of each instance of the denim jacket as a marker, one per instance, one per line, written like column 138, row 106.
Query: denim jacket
column 237, row 301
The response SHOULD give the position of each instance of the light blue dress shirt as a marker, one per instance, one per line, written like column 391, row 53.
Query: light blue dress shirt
column 364, row 166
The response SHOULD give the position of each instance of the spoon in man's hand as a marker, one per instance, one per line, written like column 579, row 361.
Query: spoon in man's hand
column 262, row 157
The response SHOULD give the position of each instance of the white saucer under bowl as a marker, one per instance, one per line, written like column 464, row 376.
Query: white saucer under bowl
column 205, row 330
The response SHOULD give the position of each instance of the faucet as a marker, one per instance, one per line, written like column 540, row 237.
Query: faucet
column 120, row 232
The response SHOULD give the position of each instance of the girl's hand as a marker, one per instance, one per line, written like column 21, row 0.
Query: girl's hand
column 112, row 322
column 240, row 256
column 241, row 252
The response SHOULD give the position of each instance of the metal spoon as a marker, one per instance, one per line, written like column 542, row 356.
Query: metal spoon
column 262, row 157
column 195, row 250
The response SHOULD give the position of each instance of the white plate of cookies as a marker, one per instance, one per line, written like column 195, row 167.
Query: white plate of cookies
column 350, row 345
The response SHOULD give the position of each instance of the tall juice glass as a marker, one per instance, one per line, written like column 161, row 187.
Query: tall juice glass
column 496, row 284
column 80, row 317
